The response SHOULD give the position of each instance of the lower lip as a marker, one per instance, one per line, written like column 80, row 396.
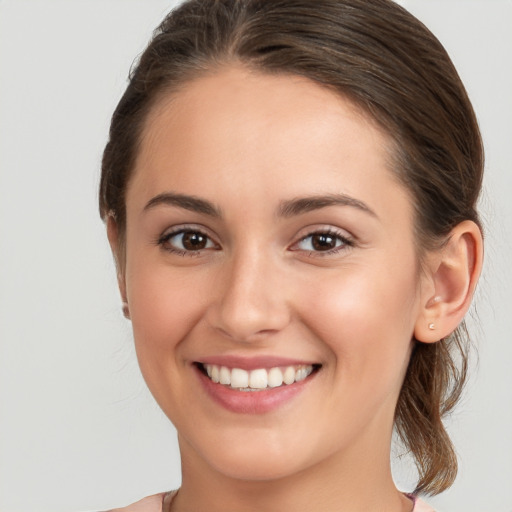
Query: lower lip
column 252, row 402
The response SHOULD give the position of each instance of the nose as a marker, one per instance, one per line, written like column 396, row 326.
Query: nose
column 251, row 299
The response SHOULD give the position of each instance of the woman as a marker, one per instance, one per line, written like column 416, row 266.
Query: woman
column 289, row 190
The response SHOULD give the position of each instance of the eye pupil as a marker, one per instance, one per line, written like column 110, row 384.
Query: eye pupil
column 194, row 241
column 323, row 242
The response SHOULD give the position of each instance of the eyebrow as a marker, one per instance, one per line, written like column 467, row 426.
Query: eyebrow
column 286, row 209
column 307, row 204
column 192, row 203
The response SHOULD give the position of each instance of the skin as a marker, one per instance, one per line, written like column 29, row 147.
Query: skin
column 247, row 143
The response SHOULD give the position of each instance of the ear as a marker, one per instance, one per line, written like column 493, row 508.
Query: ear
column 117, row 250
column 452, row 275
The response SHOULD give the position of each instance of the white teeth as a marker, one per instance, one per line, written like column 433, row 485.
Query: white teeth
column 289, row 375
column 239, row 378
column 224, row 375
column 275, row 377
column 260, row 378
column 301, row 374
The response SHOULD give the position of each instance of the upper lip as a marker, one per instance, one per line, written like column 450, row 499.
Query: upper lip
column 253, row 363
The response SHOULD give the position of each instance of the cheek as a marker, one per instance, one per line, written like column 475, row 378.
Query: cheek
column 164, row 305
column 366, row 316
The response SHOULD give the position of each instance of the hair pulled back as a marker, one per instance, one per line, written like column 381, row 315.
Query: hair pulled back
column 388, row 63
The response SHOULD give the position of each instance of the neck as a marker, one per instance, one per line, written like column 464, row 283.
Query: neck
column 355, row 480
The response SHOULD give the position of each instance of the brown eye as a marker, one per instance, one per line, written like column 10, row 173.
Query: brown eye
column 194, row 241
column 186, row 241
column 323, row 242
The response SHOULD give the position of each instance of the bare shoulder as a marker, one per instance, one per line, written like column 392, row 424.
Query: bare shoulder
column 148, row 504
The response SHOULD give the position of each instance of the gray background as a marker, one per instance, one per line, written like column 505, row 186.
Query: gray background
column 78, row 429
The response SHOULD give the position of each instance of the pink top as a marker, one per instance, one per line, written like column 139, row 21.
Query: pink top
column 420, row 506
column 156, row 503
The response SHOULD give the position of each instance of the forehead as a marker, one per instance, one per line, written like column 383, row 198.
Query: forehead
column 227, row 100
column 237, row 129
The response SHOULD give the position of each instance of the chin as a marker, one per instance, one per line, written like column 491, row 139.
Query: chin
column 254, row 458
column 257, row 470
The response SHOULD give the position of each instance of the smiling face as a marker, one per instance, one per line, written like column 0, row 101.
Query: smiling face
column 267, row 239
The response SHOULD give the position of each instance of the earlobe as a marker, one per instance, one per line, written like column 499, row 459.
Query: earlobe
column 454, row 274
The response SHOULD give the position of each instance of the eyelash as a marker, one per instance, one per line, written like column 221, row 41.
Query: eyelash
column 346, row 242
column 164, row 239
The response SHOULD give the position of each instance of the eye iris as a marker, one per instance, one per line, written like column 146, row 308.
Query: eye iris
column 323, row 242
column 194, row 241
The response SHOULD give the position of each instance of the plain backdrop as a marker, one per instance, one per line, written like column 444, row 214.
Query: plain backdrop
column 78, row 429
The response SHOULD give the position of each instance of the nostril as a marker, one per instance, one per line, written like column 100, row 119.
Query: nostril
column 247, row 336
column 249, row 323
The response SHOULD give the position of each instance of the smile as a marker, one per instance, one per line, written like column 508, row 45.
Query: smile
column 256, row 385
column 258, row 379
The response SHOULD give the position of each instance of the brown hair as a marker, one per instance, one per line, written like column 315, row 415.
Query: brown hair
column 393, row 67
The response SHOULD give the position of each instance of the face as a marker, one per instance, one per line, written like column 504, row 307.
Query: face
column 270, row 247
